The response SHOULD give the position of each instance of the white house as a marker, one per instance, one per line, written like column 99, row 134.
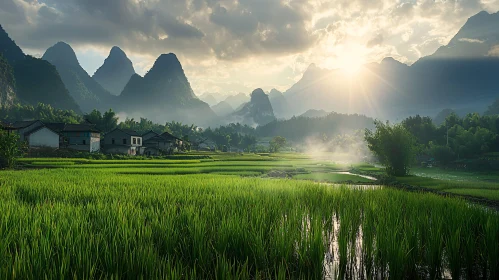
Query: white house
column 43, row 137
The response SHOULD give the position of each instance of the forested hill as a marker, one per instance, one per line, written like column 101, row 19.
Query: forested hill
column 300, row 128
column 7, row 83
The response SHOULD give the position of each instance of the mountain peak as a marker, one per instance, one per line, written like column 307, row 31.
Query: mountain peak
column 116, row 71
column 8, row 48
column 257, row 93
column 116, row 51
column 61, row 54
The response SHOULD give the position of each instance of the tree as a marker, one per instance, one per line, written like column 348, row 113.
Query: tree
column 11, row 149
column 493, row 109
column 393, row 145
column 277, row 143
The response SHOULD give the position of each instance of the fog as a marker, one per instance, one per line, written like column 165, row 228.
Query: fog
column 345, row 148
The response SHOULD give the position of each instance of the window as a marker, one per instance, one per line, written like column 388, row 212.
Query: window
column 135, row 141
column 124, row 141
column 138, row 141
column 84, row 142
column 112, row 141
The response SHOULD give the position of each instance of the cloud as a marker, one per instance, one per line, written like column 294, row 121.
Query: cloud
column 239, row 45
column 494, row 51
column 377, row 40
column 471, row 40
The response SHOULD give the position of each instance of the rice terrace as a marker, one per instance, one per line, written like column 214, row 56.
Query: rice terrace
column 249, row 139
column 234, row 216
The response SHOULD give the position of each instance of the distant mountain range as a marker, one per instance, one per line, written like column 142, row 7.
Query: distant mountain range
column 312, row 113
column 164, row 93
column 35, row 80
column 258, row 111
column 222, row 109
column 463, row 75
column 87, row 92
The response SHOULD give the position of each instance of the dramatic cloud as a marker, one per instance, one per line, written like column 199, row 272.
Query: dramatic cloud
column 239, row 45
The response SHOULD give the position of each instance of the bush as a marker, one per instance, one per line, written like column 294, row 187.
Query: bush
column 393, row 145
column 10, row 149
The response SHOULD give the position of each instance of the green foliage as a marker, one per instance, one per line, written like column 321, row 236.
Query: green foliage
column 277, row 143
column 232, row 135
column 456, row 138
column 39, row 82
column 442, row 154
column 301, row 128
column 105, row 123
column 11, row 149
column 493, row 109
column 43, row 112
column 393, row 145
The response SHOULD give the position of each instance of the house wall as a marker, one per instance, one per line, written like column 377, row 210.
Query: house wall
column 22, row 131
column 136, row 141
column 44, row 138
column 95, row 144
column 83, row 141
column 118, row 136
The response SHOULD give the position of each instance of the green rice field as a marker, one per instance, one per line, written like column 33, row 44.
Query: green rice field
column 227, row 217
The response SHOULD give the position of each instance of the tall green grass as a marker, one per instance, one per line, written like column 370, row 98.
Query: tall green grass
column 72, row 223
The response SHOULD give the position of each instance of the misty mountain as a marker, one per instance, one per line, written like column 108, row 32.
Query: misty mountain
column 34, row 80
column 279, row 103
column 165, row 94
column 116, row 71
column 312, row 113
column 7, row 84
column 257, row 111
column 462, row 75
column 84, row 89
column 209, row 98
column 222, row 109
column 235, row 101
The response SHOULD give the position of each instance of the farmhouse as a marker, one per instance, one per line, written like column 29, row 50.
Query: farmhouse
column 82, row 137
column 122, row 141
column 157, row 144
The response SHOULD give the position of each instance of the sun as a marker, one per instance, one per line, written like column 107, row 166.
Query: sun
column 352, row 69
column 350, row 60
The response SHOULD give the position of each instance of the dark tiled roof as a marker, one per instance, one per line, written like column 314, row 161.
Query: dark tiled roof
column 159, row 138
column 23, row 124
column 126, row 131
column 150, row 131
column 39, row 128
column 57, row 127
column 170, row 136
column 131, row 132
column 80, row 128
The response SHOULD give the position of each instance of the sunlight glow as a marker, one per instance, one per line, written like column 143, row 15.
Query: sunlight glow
column 351, row 63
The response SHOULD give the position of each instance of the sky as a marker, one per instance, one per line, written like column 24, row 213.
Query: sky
column 232, row 46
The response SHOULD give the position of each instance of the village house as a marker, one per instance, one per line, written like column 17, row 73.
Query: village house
column 159, row 144
column 122, row 141
column 82, row 137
